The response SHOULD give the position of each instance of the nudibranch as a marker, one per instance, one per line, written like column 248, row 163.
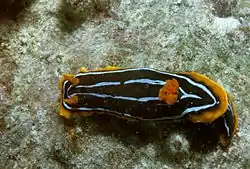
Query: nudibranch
column 148, row 94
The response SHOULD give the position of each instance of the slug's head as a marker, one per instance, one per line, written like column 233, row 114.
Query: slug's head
column 64, row 83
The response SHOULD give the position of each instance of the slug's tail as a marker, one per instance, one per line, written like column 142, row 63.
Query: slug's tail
column 228, row 124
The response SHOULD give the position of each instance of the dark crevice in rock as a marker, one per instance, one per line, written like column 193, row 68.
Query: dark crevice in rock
column 73, row 13
column 223, row 8
column 10, row 9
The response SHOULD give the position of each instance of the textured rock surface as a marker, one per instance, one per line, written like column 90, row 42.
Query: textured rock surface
column 163, row 34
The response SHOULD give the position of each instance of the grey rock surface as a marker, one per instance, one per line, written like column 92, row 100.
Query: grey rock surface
column 51, row 37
